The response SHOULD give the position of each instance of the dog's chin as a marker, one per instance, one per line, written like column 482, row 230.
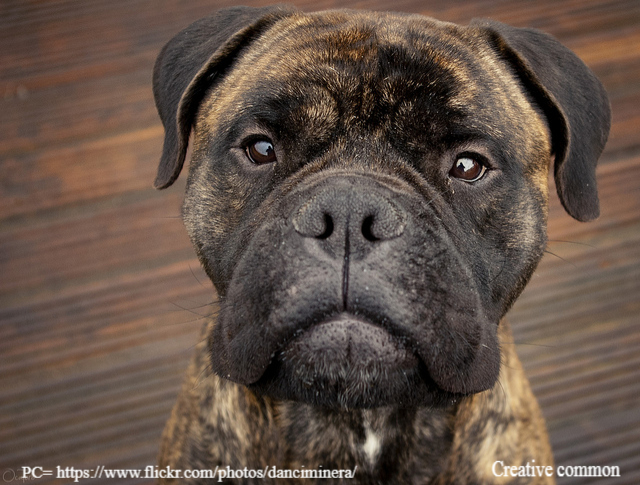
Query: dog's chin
column 350, row 363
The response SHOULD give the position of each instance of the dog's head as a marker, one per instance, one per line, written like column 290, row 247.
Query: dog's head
column 368, row 192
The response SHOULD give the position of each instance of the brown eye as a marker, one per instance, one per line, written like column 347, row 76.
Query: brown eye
column 468, row 169
column 261, row 152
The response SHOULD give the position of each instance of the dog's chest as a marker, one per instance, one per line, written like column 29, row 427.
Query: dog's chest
column 391, row 443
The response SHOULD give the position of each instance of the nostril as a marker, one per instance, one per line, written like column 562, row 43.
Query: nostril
column 367, row 229
column 328, row 227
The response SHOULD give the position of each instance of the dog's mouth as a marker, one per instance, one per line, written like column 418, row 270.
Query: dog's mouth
column 350, row 362
column 325, row 350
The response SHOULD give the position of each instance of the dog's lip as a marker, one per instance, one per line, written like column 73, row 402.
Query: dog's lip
column 350, row 362
column 349, row 339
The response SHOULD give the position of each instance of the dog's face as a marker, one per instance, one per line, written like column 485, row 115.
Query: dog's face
column 368, row 194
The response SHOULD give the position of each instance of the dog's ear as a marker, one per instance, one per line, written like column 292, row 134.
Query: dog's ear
column 190, row 63
column 574, row 102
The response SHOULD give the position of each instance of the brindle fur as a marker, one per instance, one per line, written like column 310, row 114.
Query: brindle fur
column 381, row 104
column 218, row 423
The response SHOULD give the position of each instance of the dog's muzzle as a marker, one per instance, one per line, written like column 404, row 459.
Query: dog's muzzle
column 351, row 293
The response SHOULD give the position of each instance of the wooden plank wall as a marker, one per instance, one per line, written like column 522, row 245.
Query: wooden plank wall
column 101, row 297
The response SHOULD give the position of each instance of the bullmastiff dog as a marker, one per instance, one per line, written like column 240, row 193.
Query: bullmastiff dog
column 368, row 194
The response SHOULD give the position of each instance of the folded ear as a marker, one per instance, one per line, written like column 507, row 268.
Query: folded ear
column 192, row 62
column 574, row 102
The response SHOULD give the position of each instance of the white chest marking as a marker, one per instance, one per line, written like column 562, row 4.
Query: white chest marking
column 371, row 446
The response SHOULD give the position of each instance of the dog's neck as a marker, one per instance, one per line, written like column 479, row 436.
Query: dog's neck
column 290, row 435
column 379, row 441
column 213, row 414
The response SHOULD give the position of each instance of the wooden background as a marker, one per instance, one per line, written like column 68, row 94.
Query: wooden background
column 101, row 297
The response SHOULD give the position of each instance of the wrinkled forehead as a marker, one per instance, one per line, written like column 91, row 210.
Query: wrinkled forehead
column 371, row 65
column 343, row 36
column 341, row 48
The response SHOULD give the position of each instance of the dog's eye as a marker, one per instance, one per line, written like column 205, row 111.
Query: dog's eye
column 261, row 152
column 468, row 169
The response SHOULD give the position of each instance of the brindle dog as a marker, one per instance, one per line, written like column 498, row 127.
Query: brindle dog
column 368, row 194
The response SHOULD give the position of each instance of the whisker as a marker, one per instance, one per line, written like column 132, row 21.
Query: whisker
column 190, row 310
column 196, row 278
column 573, row 242
column 560, row 257
column 531, row 344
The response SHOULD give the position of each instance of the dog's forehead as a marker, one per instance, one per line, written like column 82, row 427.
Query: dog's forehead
column 326, row 66
column 346, row 34
column 346, row 48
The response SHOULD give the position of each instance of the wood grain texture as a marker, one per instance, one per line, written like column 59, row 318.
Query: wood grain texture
column 101, row 296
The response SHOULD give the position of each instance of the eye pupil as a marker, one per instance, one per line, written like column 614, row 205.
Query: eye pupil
column 261, row 152
column 467, row 169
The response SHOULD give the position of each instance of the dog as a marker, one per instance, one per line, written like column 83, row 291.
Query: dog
column 368, row 194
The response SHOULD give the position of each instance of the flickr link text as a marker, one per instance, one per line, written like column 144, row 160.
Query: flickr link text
column 220, row 473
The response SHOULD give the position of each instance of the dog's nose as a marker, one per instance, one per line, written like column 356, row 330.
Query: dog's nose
column 350, row 215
